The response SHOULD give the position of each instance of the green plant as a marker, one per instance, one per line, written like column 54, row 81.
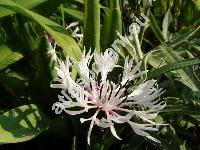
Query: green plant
column 169, row 47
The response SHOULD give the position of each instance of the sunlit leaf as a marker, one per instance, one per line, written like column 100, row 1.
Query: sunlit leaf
column 22, row 124
column 166, row 22
column 24, row 3
column 7, row 56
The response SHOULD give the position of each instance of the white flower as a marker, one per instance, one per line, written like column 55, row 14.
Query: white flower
column 74, row 33
column 106, row 97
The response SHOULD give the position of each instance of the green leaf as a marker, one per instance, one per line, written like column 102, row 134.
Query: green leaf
column 22, row 124
column 169, row 133
column 196, row 45
column 166, row 22
column 76, row 14
column 48, row 8
column 113, row 23
column 184, row 37
column 7, row 56
column 42, row 77
column 197, row 2
column 91, row 37
column 181, row 109
column 177, row 65
column 156, row 30
column 167, row 56
column 15, row 80
column 24, row 3
column 80, row 1
column 59, row 33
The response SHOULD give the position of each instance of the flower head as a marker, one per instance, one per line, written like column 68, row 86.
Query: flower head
column 111, row 103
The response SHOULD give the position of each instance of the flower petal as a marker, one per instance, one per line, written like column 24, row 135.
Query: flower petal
column 106, row 62
column 113, row 131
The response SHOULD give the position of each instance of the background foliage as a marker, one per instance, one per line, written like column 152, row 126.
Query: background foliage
column 171, row 50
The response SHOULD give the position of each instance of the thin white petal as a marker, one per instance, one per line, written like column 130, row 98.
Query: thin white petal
column 113, row 131
column 74, row 112
column 91, row 126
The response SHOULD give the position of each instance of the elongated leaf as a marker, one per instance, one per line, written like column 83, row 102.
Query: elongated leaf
column 80, row 1
column 58, row 32
column 181, row 109
column 91, row 37
column 49, row 7
column 177, row 65
column 113, row 23
column 185, row 37
column 196, row 45
column 76, row 14
column 7, row 56
column 168, row 56
column 24, row 3
column 156, row 30
column 166, row 22
column 22, row 124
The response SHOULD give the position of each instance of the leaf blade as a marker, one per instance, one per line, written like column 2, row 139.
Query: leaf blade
column 68, row 44
column 22, row 124
column 91, row 34
column 8, row 56
column 27, row 4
